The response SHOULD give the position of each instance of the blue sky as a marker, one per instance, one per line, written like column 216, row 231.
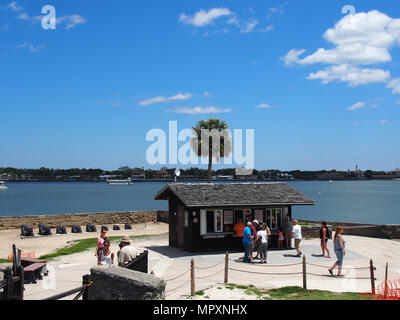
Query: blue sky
column 320, row 88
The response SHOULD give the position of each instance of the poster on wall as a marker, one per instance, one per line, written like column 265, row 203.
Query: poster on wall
column 259, row 215
column 228, row 217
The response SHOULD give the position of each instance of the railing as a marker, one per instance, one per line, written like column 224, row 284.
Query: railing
column 303, row 272
column 82, row 291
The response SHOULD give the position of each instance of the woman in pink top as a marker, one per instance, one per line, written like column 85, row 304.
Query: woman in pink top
column 100, row 243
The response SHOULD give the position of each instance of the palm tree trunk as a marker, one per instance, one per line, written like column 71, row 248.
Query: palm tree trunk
column 209, row 165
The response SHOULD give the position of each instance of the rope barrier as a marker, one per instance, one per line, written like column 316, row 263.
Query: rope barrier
column 344, row 268
column 173, row 290
column 205, row 268
column 176, row 277
column 270, row 265
column 209, row 276
column 247, row 271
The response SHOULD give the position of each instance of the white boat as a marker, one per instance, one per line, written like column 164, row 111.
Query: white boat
column 330, row 181
column 120, row 182
column 2, row 186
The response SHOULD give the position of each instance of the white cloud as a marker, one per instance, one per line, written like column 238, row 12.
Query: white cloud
column 292, row 57
column 159, row 99
column 356, row 106
column 14, row 7
column 24, row 16
column 354, row 76
column 371, row 104
column 264, row 106
column 200, row 110
column 203, row 18
column 70, row 21
column 206, row 94
column 383, row 122
column 395, row 85
column 267, row 28
column 365, row 38
column 30, row 46
column 249, row 26
column 360, row 39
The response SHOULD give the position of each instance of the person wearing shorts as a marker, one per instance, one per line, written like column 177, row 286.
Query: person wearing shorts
column 340, row 251
column 324, row 236
column 297, row 237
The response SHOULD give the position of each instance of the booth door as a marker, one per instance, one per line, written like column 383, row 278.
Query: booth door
column 180, row 227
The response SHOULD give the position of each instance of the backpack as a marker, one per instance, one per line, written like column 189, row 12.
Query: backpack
column 115, row 227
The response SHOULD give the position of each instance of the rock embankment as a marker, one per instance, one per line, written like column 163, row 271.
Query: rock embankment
column 67, row 220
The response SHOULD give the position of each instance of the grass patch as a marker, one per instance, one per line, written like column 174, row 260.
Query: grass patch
column 4, row 261
column 199, row 293
column 298, row 293
column 81, row 246
column 295, row 293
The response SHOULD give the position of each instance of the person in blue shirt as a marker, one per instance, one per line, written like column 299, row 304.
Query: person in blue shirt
column 247, row 239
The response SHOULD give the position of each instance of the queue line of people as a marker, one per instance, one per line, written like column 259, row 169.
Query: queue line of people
column 255, row 237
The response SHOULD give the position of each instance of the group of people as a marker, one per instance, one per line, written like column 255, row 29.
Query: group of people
column 255, row 237
column 105, row 256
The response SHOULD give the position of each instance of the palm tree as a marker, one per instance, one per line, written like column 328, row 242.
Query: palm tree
column 217, row 148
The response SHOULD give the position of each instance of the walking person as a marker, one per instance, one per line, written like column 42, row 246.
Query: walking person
column 324, row 236
column 254, row 245
column 100, row 243
column 247, row 240
column 106, row 257
column 287, row 231
column 296, row 232
column 339, row 245
column 263, row 235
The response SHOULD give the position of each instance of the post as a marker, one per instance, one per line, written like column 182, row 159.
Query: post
column 19, row 258
column 386, row 280
column 8, row 289
column 226, row 267
column 20, row 273
column 14, row 248
column 304, row 272
column 192, row 284
column 371, row 268
column 86, row 282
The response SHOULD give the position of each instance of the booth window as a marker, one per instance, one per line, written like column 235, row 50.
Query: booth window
column 211, row 221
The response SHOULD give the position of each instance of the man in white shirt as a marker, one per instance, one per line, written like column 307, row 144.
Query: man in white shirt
column 297, row 236
column 127, row 252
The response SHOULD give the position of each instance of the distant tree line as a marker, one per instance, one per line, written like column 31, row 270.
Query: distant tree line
column 10, row 173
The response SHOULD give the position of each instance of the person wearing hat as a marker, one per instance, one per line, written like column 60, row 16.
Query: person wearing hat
column 127, row 252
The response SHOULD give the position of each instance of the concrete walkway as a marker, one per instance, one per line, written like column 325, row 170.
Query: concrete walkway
column 173, row 265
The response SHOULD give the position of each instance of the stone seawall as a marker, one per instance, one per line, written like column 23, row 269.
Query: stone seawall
column 354, row 229
column 81, row 219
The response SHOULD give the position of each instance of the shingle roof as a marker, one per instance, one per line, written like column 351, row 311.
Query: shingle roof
column 234, row 194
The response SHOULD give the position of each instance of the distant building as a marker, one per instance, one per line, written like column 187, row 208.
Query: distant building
column 138, row 175
column 162, row 175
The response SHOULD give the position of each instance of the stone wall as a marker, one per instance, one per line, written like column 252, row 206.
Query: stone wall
column 67, row 220
column 116, row 283
column 354, row 229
